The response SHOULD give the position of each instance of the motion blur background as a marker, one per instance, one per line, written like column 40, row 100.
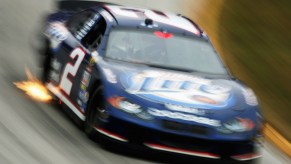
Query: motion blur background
column 252, row 37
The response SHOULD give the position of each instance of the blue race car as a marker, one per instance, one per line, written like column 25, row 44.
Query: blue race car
column 147, row 78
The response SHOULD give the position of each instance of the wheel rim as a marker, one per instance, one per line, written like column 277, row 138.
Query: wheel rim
column 98, row 113
column 102, row 114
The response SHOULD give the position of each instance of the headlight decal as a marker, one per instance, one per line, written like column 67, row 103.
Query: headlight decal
column 237, row 125
column 250, row 97
column 123, row 104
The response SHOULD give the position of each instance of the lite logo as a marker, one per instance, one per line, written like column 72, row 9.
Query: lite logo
column 163, row 81
column 173, row 87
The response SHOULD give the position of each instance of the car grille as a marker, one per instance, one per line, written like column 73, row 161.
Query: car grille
column 172, row 125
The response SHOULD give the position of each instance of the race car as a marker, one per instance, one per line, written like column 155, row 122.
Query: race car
column 147, row 78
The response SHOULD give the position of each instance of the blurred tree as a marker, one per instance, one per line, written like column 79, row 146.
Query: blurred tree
column 255, row 40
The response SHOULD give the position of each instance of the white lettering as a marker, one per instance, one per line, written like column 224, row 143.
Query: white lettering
column 184, row 109
column 182, row 116
column 65, row 83
column 153, row 80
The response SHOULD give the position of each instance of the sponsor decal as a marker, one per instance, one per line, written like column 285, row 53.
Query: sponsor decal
column 185, row 117
column 55, row 65
column 180, row 108
column 156, row 80
column 87, row 26
column 94, row 58
column 54, row 76
column 57, row 31
column 79, row 102
column 54, row 73
column 86, row 78
column 83, row 107
column 83, row 87
column 92, row 61
column 84, row 96
column 177, row 88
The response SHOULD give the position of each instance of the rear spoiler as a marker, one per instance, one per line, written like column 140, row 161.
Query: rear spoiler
column 77, row 5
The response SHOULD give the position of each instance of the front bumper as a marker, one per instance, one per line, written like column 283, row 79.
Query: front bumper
column 126, row 132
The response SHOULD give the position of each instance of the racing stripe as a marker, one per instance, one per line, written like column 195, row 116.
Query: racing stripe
column 181, row 151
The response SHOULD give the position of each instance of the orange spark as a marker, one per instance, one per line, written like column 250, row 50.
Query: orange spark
column 34, row 88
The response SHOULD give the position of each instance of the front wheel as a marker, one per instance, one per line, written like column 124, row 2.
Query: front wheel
column 96, row 113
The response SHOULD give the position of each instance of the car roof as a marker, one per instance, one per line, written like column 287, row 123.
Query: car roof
column 138, row 17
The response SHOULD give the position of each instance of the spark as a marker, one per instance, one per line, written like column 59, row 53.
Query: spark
column 34, row 88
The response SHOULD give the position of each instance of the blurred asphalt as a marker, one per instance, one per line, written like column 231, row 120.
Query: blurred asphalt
column 33, row 132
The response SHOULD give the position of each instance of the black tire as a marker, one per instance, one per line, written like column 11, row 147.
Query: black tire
column 46, row 61
column 95, row 113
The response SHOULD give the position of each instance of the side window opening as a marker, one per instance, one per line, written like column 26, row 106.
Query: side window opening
column 88, row 27
column 93, row 38
column 77, row 21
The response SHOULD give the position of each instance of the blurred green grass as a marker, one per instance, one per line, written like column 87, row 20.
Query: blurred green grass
column 254, row 39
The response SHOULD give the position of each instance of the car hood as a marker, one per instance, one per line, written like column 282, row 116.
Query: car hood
column 176, row 89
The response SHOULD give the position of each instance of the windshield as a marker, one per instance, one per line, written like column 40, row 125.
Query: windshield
column 165, row 50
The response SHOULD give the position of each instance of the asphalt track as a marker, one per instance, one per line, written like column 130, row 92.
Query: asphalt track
column 33, row 132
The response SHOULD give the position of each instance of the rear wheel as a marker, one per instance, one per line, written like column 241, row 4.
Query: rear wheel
column 46, row 60
column 96, row 113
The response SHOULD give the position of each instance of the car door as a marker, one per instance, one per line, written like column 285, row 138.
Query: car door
column 90, row 38
column 86, row 30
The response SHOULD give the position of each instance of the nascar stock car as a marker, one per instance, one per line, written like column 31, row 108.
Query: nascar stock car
column 147, row 78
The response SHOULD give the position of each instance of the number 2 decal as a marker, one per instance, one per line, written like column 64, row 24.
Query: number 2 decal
column 66, row 84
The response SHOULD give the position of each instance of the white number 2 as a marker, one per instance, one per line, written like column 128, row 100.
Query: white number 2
column 66, row 84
